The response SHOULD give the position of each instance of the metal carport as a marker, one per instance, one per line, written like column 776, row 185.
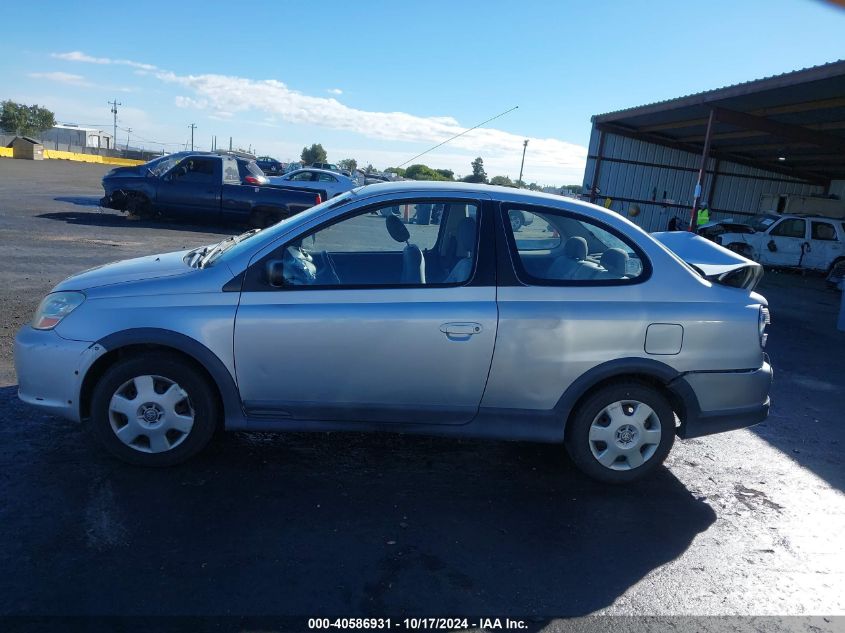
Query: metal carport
column 779, row 135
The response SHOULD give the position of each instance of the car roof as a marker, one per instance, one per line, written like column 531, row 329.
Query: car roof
column 804, row 216
column 317, row 170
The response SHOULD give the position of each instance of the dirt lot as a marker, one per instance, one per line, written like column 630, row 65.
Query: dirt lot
column 342, row 524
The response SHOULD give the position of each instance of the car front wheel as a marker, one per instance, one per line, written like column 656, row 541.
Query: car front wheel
column 154, row 410
column 621, row 432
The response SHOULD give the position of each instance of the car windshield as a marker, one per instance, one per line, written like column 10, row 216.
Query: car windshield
column 763, row 222
column 162, row 165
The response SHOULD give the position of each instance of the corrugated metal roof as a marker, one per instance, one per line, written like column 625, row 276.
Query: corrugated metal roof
column 756, row 85
column 792, row 123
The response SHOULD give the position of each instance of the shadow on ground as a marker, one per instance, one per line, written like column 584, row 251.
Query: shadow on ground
column 807, row 396
column 82, row 201
column 111, row 219
column 326, row 524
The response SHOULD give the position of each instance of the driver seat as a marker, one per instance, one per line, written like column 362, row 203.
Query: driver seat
column 413, row 264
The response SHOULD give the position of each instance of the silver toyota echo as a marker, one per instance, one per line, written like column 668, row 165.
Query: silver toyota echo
column 434, row 308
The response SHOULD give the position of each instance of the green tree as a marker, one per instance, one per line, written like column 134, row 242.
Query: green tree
column 424, row 172
column 25, row 120
column 502, row 180
column 399, row 171
column 478, row 174
column 349, row 164
column 447, row 174
column 314, row 154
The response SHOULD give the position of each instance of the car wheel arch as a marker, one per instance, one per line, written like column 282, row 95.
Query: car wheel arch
column 138, row 341
column 668, row 381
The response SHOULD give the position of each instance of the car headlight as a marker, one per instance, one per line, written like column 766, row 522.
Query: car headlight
column 55, row 307
column 763, row 320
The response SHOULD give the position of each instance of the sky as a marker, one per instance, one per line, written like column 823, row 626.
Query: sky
column 382, row 81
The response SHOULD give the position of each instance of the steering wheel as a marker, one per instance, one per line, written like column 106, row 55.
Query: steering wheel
column 328, row 258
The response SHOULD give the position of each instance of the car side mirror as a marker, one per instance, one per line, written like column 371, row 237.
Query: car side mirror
column 276, row 273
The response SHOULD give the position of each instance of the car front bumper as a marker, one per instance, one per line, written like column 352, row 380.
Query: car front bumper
column 727, row 400
column 50, row 370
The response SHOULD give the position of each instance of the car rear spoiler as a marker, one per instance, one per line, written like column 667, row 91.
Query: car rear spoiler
column 715, row 263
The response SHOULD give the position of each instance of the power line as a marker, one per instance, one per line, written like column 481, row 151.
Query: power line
column 457, row 135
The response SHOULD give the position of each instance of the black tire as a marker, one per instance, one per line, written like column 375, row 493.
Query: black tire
column 201, row 397
column 138, row 205
column 580, row 447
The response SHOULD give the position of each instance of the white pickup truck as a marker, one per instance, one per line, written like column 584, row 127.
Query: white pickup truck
column 791, row 241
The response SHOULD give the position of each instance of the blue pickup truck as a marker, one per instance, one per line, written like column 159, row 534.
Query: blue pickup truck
column 203, row 186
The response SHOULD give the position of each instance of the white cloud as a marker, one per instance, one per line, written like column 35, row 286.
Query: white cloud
column 79, row 56
column 60, row 77
column 335, row 91
column 548, row 159
column 238, row 94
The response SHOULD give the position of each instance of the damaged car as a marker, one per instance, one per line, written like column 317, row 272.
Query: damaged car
column 579, row 329
column 203, row 186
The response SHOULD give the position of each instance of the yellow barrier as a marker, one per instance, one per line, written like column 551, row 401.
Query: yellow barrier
column 90, row 158
column 6, row 152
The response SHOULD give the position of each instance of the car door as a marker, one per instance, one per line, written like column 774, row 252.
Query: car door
column 192, row 188
column 346, row 337
column 329, row 183
column 825, row 246
column 785, row 243
column 575, row 300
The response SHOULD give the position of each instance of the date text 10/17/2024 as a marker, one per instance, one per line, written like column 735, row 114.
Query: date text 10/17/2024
column 417, row 624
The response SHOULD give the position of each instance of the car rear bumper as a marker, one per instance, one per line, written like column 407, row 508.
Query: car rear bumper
column 50, row 370
column 727, row 400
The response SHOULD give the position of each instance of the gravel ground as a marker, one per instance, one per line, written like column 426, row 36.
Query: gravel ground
column 745, row 523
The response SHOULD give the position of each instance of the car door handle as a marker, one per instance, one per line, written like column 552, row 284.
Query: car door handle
column 464, row 329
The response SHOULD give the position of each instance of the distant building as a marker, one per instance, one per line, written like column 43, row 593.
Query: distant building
column 62, row 135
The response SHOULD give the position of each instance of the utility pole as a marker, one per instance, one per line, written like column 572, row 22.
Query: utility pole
column 128, row 132
column 114, row 105
column 193, row 127
column 524, row 147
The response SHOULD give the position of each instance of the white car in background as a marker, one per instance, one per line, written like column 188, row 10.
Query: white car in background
column 331, row 182
column 791, row 241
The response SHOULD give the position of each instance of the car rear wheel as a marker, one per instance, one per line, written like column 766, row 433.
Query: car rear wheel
column 154, row 410
column 621, row 432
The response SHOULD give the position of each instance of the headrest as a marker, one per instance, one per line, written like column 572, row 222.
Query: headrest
column 575, row 248
column 397, row 230
column 466, row 236
column 615, row 261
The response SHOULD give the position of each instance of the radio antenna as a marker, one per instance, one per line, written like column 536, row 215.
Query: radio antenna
column 457, row 135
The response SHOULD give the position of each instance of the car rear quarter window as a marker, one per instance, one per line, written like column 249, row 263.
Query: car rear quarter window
column 555, row 247
column 231, row 173
column 824, row 231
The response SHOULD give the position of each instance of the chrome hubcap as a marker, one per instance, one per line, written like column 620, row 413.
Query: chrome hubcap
column 151, row 414
column 625, row 435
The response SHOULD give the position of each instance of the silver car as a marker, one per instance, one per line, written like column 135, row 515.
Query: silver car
column 580, row 328
column 333, row 183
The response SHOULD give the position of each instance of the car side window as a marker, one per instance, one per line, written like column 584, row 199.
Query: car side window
column 198, row 170
column 823, row 231
column 326, row 178
column 304, row 176
column 231, row 173
column 793, row 227
column 396, row 244
column 556, row 247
